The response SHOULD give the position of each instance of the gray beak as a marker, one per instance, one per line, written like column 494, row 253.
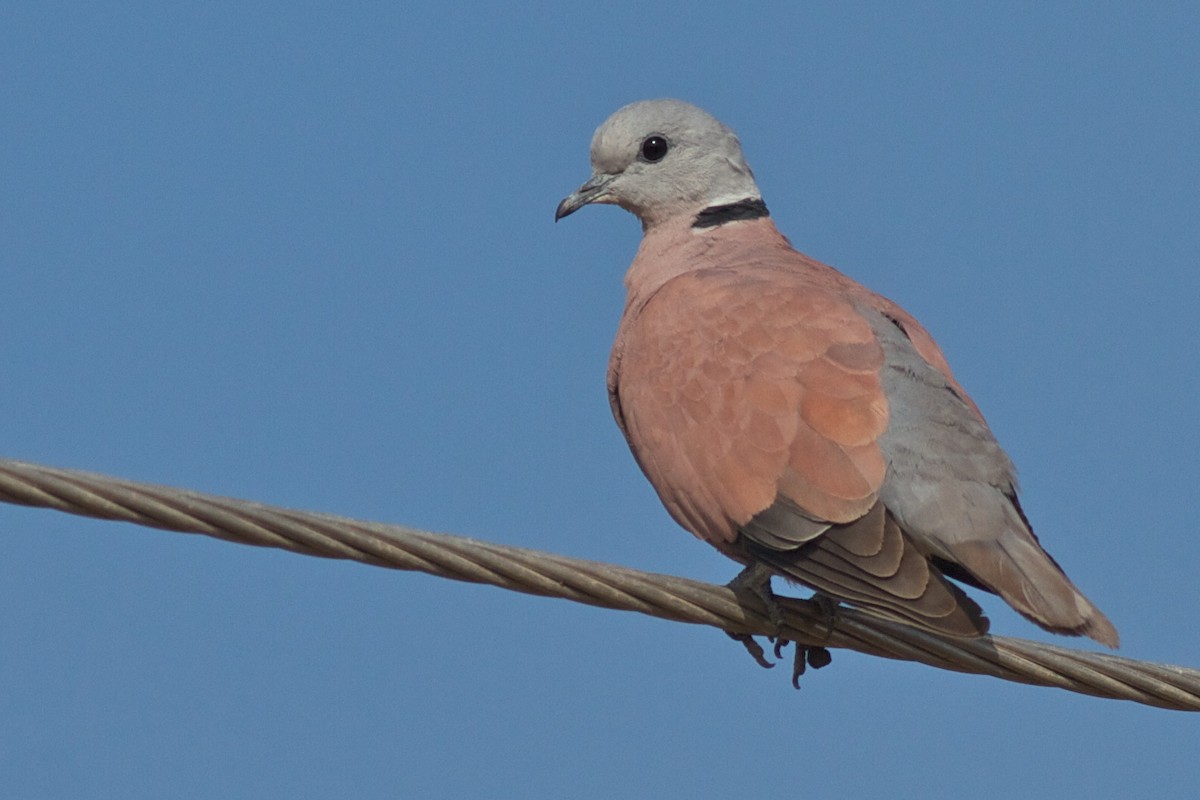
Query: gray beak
column 593, row 191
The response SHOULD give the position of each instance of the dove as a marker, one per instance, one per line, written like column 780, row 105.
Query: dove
column 787, row 415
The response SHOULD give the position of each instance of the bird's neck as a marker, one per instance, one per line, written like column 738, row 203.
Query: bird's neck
column 718, row 214
column 678, row 245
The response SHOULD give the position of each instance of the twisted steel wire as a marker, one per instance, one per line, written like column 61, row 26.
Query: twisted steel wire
column 598, row 584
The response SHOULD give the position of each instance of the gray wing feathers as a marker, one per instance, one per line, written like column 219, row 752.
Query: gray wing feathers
column 953, row 490
column 869, row 562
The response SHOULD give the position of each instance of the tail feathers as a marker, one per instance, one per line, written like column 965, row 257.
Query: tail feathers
column 1016, row 568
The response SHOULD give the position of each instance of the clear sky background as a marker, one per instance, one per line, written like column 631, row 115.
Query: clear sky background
column 304, row 253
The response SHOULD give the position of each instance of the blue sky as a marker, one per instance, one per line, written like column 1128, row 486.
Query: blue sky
column 304, row 253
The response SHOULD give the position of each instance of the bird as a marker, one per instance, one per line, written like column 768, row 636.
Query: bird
column 799, row 422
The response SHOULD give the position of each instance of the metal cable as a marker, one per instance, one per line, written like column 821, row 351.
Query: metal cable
column 590, row 582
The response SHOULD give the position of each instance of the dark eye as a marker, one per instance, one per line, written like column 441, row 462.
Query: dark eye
column 654, row 148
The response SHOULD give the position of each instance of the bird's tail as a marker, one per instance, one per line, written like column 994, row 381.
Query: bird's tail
column 1016, row 567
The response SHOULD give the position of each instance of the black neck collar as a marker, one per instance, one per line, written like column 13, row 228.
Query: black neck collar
column 750, row 208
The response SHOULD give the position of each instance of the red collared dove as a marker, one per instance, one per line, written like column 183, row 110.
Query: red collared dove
column 793, row 418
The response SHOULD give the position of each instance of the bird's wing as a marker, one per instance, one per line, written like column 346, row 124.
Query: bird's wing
column 953, row 488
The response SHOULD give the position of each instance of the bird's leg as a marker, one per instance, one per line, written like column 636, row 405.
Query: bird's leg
column 828, row 607
column 756, row 579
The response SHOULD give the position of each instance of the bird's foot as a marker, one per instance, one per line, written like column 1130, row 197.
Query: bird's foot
column 756, row 579
column 804, row 655
column 753, row 648
column 808, row 655
column 828, row 608
column 811, row 655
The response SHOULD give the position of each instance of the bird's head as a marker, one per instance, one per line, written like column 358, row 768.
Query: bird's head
column 661, row 159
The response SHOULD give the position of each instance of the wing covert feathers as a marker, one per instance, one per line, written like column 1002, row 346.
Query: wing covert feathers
column 871, row 563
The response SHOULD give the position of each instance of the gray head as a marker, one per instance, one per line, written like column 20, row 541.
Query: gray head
column 661, row 159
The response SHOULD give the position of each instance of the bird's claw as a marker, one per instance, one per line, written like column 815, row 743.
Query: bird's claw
column 780, row 643
column 804, row 656
column 753, row 648
column 813, row 656
column 756, row 579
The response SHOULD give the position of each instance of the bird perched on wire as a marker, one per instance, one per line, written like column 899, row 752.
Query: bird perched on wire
column 801, row 423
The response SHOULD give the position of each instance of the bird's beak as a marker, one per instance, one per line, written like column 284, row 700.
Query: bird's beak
column 595, row 190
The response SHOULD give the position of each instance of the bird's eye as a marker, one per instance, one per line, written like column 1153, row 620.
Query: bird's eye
column 654, row 148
